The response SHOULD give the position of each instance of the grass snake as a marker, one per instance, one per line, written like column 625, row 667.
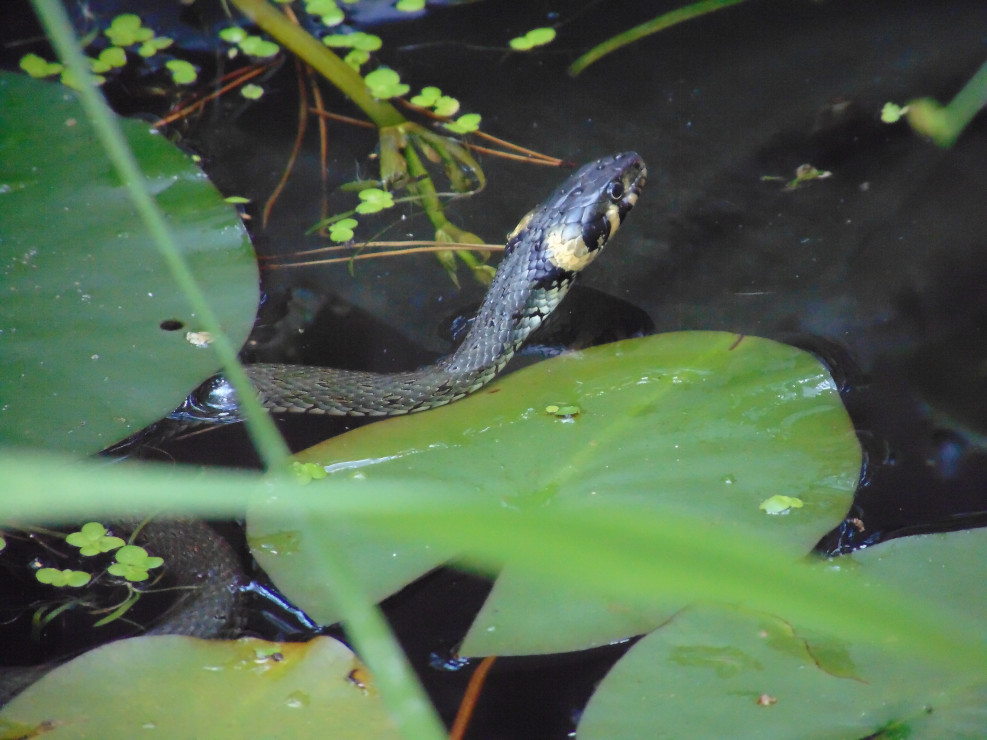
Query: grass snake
column 543, row 255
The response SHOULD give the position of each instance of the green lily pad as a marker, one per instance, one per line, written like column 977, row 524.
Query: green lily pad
column 93, row 330
column 697, row 423
column 723, row 672
column 171, row 686
column 936, row 568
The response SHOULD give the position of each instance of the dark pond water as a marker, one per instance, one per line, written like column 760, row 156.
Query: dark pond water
column 881, row 268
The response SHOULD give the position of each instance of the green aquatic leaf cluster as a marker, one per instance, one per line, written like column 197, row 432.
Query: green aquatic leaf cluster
column 402, row 144
column 250, row 44
column 124, row 31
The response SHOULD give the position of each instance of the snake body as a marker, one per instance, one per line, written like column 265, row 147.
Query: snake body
column 543, row 255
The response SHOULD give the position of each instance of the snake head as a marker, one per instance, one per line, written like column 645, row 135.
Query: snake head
column 585, row 212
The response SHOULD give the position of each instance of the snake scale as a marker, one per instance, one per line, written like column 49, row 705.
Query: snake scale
column 543, row 255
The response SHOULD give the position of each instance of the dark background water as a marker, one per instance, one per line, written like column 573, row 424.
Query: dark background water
column 882, row 267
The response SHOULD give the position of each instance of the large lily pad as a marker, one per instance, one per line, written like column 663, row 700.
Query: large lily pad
column 724, row 672
column 183, row 687
column 697, row 423
column 93, row 341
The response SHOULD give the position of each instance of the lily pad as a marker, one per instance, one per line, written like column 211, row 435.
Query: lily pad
column 93, row 330
column 173, row 686
column 719, row 671
column 696, row 423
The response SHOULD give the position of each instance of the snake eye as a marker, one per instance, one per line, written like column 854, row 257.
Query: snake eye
column 615, row 190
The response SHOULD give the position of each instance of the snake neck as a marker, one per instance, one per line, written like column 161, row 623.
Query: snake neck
column 504, row 322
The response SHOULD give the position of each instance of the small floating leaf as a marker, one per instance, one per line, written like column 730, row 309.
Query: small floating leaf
column 126, row 29
column 342, row 230
column 563, row 412
column 307, row 472
column 182, row 72
column 255, row 46
column 133, row 563
column 534, row 37
column 385, row 83
column 358, row 40
column 780, row 504
column 465, row 124
column 233, row 34
column 427, row 97
column 62, row 578
column 110, row 58
column 446, row 106
column 892, row 113
column 38, row 67
column 373, row 200
column 356, row 58
column 153, row 46
column 92, row 539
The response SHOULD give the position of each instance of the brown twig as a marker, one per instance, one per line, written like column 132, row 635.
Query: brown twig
column 472, row 695
column 430, row 247
column 319, row 105
column 240, row 76
column 295, row 149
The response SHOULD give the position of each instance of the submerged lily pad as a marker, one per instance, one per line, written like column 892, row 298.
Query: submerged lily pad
column 719, row 671
column 174, row 687
column 92, row 327
column 697, row 423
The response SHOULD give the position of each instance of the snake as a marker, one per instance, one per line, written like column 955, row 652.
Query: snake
column 549, row 247
column 545, row 252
